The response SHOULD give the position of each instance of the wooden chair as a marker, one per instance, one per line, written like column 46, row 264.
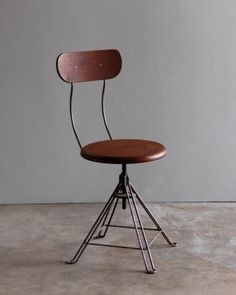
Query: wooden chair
column 76, row 67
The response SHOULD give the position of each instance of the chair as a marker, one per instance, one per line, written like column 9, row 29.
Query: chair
column 76, row 67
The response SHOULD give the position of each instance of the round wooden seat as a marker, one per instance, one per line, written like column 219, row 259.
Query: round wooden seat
column 123, row 151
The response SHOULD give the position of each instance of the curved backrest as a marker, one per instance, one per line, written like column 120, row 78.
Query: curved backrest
column 85, row 66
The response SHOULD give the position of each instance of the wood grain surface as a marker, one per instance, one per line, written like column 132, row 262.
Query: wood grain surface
column 123, row 151
column 85, row 66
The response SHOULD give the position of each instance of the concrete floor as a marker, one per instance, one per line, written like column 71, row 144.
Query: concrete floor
column 36, row 239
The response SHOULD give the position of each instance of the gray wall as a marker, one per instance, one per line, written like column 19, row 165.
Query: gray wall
column 177, row 86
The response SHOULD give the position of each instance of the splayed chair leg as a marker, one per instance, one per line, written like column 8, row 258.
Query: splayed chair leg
column 136, row 217
column 107, row 221
column 93, row 229
column 141, row 202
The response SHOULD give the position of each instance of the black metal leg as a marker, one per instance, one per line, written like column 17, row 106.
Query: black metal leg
column 101, row 233
column 134, row 212
column 91, row 232
column 153, row 270
column 173, row 244
column 103, row 223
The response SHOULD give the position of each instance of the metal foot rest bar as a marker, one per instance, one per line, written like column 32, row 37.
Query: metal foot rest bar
column 124, row 247
column 126, row 227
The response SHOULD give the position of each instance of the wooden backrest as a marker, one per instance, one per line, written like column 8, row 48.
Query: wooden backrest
column 85, row 66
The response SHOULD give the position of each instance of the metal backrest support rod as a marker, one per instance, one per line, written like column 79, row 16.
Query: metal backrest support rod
column 72, row 116
column 103, row 110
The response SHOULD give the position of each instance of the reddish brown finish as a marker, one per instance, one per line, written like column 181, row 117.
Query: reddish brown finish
column 123, row 151
column 89, row 65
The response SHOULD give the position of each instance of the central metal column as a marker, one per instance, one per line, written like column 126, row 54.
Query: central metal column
column 124, row 181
